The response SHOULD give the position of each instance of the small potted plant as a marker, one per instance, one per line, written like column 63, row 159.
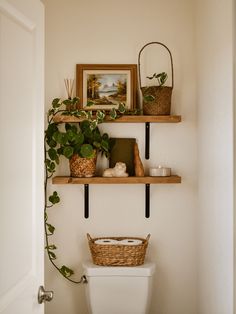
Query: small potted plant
column 80, row 143
column 157, row 98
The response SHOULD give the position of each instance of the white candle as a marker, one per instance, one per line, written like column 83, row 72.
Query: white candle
column 160, row 171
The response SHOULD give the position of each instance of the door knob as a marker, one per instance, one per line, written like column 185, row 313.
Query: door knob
column 44, row 295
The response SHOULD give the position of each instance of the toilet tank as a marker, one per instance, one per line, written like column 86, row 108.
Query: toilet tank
column 119, row 290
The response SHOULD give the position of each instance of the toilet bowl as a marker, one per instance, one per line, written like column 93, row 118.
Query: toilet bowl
column 118, row 290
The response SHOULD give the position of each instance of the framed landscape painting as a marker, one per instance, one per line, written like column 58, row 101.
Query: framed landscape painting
column 106, row 85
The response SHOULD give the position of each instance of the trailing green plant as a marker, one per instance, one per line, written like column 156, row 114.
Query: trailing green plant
column 82, row 140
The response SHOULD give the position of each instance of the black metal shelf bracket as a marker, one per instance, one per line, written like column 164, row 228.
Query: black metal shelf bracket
column 147, row 200
column 86, row 200
column 147, row 139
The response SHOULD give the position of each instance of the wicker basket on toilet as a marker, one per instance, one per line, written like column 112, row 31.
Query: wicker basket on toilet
column 118, row 251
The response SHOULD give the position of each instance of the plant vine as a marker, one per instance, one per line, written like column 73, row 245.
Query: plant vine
column 51, row 156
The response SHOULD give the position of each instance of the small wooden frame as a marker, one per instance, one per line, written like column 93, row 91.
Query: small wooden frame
column 106, row 85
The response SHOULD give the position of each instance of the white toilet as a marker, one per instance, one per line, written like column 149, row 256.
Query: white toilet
column 119, row 290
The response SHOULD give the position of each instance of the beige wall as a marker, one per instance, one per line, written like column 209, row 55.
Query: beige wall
column 215, row 155
column 80, row 31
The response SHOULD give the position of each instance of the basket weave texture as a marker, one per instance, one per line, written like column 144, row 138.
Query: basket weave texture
column 82, row 167
column 162, row 100
column 118, row 254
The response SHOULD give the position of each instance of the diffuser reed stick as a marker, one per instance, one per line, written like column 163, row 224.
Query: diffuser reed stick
column 69, row 83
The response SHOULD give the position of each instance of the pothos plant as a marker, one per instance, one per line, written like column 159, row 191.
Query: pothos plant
column 71, row 140
column 161, row 79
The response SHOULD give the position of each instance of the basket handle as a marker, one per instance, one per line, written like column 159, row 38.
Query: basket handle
column 148, row 237
column 89, row 237
column 171, row 60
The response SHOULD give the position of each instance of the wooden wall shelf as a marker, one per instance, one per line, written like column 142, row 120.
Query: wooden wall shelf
column 120, row 180
column 124, row 119
column 129, row 180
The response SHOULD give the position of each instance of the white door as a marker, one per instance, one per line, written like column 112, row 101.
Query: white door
column 21, row 155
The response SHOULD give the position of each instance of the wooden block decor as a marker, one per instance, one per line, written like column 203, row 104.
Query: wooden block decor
column 138, row 166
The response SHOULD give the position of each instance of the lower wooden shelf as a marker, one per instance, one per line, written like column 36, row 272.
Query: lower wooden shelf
column 120, row 180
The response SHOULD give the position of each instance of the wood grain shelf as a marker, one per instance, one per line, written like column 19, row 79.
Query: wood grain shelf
column 120, row 180
column 147, row 181
column 124, row 119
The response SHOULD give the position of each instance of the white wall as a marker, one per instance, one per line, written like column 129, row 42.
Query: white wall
column 215, row 155
column 80, row 31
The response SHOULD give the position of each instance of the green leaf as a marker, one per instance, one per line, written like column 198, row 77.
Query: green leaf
column 78, row 139
column 89, row 115
column 52, row 128
column 60, row 137
column 83, row 113
column 121, row 107
column 100, row 115
column 113, row 113
column 47, row 162
column 51, row 247
column 75, row 100
column 68, row 152
column 67, row 102
column 163, row 78
column 52, row 143
column 151, row 77
column 97, row 136
column 84, row 125
column 52, row 153
column 88, row 134
column 70, row 135
column 148, row 98
column 105, row 145
column 90, row 103
column 66, row 271
column 55, row 103
column 52, row 255
column 51, row 228
column 105, row 137
column 96, row 144
column 52, row 166
column 57, row 160
column 93, row 124
column 87, row 151
column 54, row 198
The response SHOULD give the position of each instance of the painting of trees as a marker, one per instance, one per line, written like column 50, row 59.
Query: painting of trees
column 93, row 85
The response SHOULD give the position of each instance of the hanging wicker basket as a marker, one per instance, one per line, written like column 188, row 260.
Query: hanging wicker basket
column 161, row 104
column 118, row 254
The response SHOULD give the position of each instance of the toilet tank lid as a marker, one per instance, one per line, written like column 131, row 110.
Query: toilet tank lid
column 145, row 270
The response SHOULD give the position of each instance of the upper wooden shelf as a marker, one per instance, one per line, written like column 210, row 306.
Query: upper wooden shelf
column 124, row 119
column 117, row 180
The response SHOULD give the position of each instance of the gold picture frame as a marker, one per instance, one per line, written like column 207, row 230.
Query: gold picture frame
column 106, row 85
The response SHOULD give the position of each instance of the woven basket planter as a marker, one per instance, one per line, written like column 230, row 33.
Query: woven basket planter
column 118, row 254
column 161, row 104
column 83, row 167
column 162, row 100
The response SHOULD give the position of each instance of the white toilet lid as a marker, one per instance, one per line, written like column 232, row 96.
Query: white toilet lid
column 145, row 270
